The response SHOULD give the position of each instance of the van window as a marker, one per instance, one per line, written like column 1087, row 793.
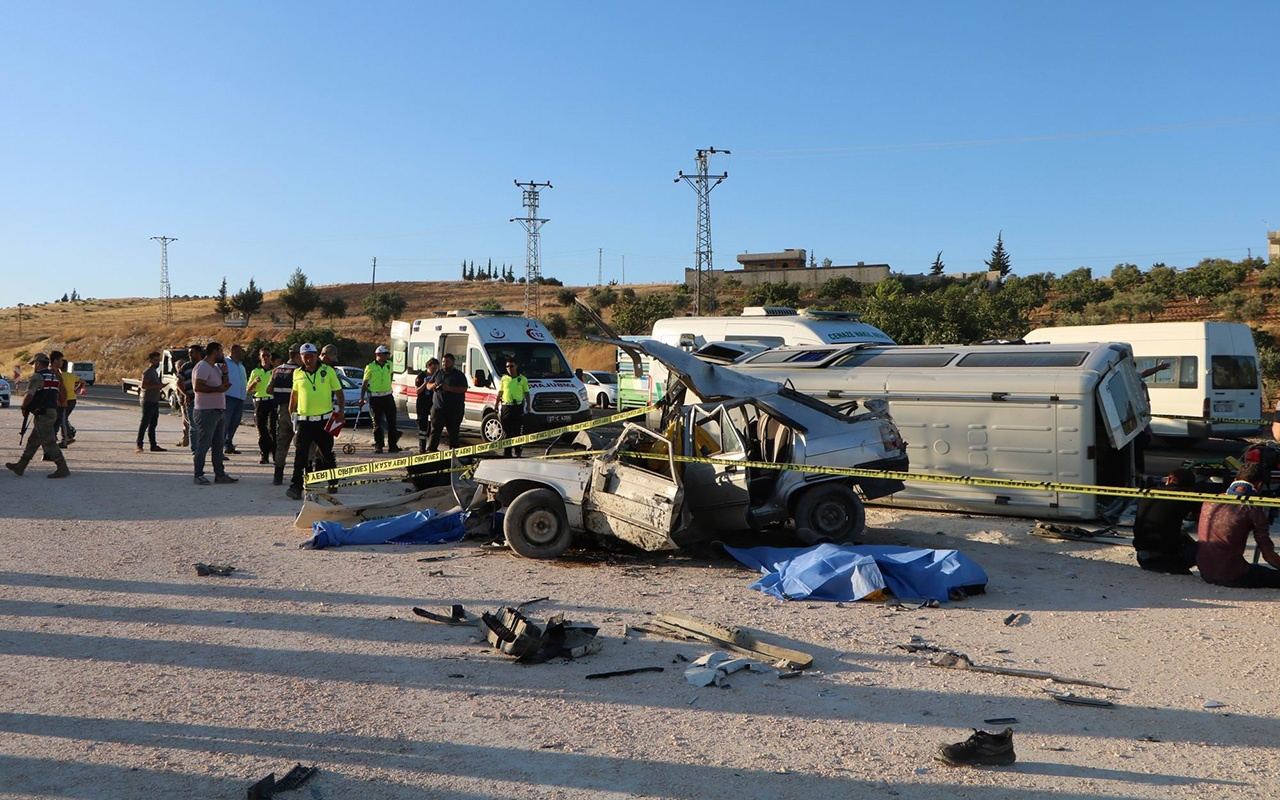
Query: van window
column 892, row 359
column 771, row 341
column 1182, row 372
column 456, row 345
column 536, row 359
column 475, row 359
column 783, row 356
column 419, row 354
column 1234, row 372
column 1069, row 358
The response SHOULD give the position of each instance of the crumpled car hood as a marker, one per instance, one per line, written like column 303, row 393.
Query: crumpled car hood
column 707, row 381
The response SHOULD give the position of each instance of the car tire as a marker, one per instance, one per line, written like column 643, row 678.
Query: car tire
column 535, row 525
column 602, row 400
column 491, row 427
column 830, row 512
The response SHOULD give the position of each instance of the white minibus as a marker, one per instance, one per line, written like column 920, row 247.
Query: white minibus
column 1211, row 387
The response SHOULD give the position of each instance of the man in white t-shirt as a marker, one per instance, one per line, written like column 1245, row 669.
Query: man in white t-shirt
column 209, row 384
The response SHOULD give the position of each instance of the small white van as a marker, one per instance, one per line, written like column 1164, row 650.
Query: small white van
column 82, row 370
column 1043, row 413
column 481, row 342
column 1212, row 387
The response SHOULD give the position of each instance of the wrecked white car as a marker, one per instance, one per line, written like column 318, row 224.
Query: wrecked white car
column 638, row 490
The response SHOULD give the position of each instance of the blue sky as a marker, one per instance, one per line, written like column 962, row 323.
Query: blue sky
column 272, row 135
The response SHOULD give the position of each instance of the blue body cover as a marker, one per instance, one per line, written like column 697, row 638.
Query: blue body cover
column 419, row 527
column 851, row 572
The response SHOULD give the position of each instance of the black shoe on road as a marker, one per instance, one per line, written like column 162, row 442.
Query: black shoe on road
column 980, row 749
column 155, row 448
column 224, row 478
column 293, row 493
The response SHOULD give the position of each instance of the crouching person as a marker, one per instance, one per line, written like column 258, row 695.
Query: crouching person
column 40, row 403
column 1224, row 533
column 1158, row 539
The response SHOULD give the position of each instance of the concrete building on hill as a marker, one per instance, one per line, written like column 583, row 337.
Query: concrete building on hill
column 1273, row 245
column 788, row 266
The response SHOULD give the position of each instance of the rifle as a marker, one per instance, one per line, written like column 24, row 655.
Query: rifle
column 26, row 419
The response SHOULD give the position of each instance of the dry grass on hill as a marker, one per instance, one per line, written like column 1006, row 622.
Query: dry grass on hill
column 116, row 334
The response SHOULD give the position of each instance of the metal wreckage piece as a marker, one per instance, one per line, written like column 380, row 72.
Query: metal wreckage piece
column 515, row 634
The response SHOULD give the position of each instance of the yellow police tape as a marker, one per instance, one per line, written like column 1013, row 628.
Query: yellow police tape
column 390, row 464
column 997, row 483
column 404, row 462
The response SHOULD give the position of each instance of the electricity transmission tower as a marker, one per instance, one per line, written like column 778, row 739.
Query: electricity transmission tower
column 166, row 297
column 533, row 246
column 704, row 283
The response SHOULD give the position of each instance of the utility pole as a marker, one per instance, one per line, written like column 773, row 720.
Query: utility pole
column 166, row 297
column 624, row 270
column 600, row 268
column 19, row 321
column 532, row 247
column 373, row 280
column 704, row 291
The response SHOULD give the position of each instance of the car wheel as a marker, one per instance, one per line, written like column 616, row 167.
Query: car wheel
column 602, row 400
column 831, row 512
column 535, row 525
column 491, row 428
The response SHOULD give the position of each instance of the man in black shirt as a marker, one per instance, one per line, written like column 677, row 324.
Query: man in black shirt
column 1158, row 538
column 448, row 401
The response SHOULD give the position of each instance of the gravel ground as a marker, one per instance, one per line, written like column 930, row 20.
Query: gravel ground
column 124, row 675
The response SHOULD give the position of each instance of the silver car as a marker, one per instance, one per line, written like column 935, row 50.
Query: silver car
column 642, row 491
column 4, row 393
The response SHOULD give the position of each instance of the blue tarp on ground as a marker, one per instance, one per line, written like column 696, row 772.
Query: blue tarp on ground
column 851, row 572
column 419, row 527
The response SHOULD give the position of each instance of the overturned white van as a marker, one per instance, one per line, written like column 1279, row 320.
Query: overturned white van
column 1045, row 413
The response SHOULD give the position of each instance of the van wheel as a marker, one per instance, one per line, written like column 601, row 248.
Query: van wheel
column 535, row 525
column 491, row 428
column 831, row 512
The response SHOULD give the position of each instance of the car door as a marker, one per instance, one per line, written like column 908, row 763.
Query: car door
column 635, row 494
column 717, row 492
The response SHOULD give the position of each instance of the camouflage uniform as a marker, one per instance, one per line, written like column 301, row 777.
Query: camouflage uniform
column 41, row 402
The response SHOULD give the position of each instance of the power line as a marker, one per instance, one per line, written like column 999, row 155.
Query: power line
column 166, row 297
column 704, row 284
column 532, row 246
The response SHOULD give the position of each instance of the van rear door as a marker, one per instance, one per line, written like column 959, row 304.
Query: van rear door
column 1125, row 411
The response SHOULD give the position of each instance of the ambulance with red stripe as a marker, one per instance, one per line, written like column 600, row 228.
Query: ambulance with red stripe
column 481, row 342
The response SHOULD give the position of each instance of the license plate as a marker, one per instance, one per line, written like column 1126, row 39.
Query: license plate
column 1223, row 405
column 557, row 419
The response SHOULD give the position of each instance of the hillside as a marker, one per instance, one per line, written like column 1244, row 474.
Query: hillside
column 116, row 334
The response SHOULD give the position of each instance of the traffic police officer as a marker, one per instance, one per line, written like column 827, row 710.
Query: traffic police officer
column 316, row 396
column 513, row 393
column 41, row 402
column 382, row 404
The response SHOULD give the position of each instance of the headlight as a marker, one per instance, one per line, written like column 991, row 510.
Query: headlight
column 582, row 394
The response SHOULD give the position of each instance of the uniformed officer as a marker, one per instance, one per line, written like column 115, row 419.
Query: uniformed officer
column 41, row 403
column 282, row 390
column 316, row 396
column 382, row 404
column 513, row 393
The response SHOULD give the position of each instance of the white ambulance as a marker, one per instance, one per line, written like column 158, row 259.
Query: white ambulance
column 481, row 342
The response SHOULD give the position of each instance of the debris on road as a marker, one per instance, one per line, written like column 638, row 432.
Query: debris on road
column 618, row 673
column 682, row 626
column 515, row 634
column 715, row 668
column 457, row 615
column 952, row 660
column 221, row 570
column 1078, row 700
column 269, row 786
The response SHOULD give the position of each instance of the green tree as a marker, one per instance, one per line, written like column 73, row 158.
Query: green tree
column 1126, row 277
column 1162, row 281
column 334, row 307
column 1077, row 289
column 889, row 289
column 1136, row 306
column 1270, row 277
column 299, row 297
column 581, row 321
column 937, row 267
column 1238, row 306
column 222, row 305
column 465, row 277
column 773, row 294
column 556, row 325
column 604, row 296
column 383, row 306
column 1211, row 278
column 489, row 304
column 839, row 288
column 635, row 315
column 999, row 261
column 565, row 297
column 247, row 301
